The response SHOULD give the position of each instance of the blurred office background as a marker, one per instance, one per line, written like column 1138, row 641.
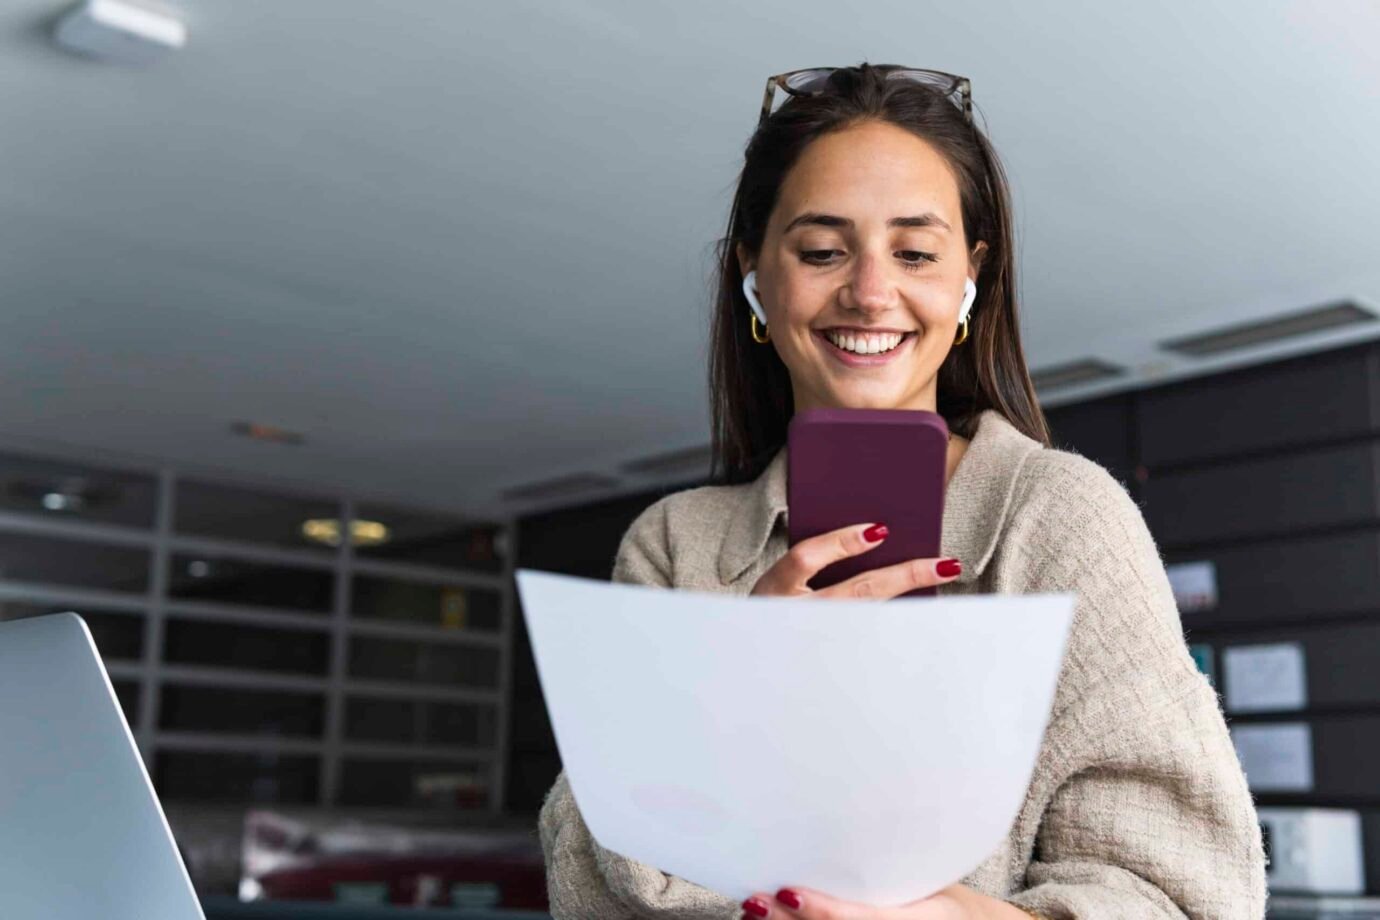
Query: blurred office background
column 313, row 330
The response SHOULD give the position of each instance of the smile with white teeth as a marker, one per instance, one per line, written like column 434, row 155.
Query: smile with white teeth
column 864, row 344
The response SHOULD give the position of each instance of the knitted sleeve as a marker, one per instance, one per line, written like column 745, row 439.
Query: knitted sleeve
column 584, row 880
column 1148, row 814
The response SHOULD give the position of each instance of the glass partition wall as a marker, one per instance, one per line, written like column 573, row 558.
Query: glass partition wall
column 262, row 657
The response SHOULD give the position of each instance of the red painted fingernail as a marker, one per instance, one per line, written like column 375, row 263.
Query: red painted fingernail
column 789, row 898
column 948, row 568
column 875, row 532
column 757, row 907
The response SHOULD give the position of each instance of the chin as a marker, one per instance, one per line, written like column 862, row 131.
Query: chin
column 870, row 401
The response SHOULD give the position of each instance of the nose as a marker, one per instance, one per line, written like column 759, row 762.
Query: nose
column 871, row 287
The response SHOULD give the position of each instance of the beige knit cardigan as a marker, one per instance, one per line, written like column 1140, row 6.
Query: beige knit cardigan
column 1137, row 807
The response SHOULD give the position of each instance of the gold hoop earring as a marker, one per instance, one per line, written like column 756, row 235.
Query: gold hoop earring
column 964, row 337
column 765, row 337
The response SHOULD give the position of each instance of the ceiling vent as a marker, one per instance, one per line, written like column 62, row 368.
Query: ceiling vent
column 688, row 462
column 1290, row 325
column 1088, row 370
column 560, row 487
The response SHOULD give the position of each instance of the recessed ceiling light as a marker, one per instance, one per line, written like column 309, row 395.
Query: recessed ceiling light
column 362, row 533
column 59, row 501
column 67, row 495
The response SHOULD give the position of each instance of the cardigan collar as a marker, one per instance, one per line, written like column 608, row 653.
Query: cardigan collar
column 976, row 502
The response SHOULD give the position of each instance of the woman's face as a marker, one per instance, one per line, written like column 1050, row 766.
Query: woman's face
column 866, row 240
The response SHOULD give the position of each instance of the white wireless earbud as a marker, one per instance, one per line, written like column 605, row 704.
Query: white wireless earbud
column 969, row 295
column 750, row 292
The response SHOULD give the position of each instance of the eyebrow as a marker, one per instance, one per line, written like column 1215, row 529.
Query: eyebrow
column 928, row 219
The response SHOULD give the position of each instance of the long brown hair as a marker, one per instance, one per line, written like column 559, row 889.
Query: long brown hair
column 750, row 390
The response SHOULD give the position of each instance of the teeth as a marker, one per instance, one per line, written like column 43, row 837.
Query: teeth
column 865, row 345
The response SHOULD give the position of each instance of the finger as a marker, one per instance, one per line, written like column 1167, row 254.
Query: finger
column 764, row 904
column 807, row 557
column 760, row 904
column 800, row 903
column 895, row 580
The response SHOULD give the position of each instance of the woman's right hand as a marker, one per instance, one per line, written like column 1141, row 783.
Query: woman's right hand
column 788, row 576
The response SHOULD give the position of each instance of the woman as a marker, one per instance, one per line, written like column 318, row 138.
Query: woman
column 865, row 205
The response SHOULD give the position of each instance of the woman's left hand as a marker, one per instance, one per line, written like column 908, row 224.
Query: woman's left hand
column 956, row 902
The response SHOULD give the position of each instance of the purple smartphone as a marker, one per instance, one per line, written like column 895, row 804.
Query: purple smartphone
column 854, row 466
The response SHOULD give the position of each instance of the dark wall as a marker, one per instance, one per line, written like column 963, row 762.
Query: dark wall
column 1271, row 473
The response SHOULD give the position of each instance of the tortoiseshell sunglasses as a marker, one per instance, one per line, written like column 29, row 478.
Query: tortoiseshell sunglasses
column 813, row 80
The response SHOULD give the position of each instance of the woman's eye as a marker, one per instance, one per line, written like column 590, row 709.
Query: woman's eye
column 914, row 257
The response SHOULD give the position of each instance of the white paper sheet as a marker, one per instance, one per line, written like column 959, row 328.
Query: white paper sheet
column 875, row 751
column 1194, row 585
column 1265, row 678
column 1276, row 757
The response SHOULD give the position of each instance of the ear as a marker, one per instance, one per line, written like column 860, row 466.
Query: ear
column 744, row 260
column 978, row 255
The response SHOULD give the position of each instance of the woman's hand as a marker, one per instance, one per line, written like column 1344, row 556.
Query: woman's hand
column 791, row 572
column 956, row 902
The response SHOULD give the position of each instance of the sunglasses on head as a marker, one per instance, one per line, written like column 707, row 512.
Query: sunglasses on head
column 814, row 80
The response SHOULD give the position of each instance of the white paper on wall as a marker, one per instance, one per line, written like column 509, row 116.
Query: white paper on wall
column 1264, row 678
column 1194, row 584
column 1277, row 757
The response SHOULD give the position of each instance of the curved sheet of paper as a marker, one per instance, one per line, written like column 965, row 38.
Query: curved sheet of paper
column 875, row 751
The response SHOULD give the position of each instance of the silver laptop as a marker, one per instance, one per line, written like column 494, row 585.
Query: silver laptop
column 82, row 835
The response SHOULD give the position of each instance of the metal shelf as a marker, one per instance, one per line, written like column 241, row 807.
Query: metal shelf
column 114, row 601
column 390, row 629
column 409, row 691
column 229, row 743
column 272, row 617
column 155, row 607
column 199, row 675
column 88, row 531
column 382, row 751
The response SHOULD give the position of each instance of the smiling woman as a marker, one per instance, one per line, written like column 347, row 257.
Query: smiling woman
column 871, row 218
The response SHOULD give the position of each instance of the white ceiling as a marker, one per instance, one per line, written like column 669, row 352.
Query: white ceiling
column 465, row 246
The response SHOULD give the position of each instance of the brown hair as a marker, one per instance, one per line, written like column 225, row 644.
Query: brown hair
column 750, row 390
